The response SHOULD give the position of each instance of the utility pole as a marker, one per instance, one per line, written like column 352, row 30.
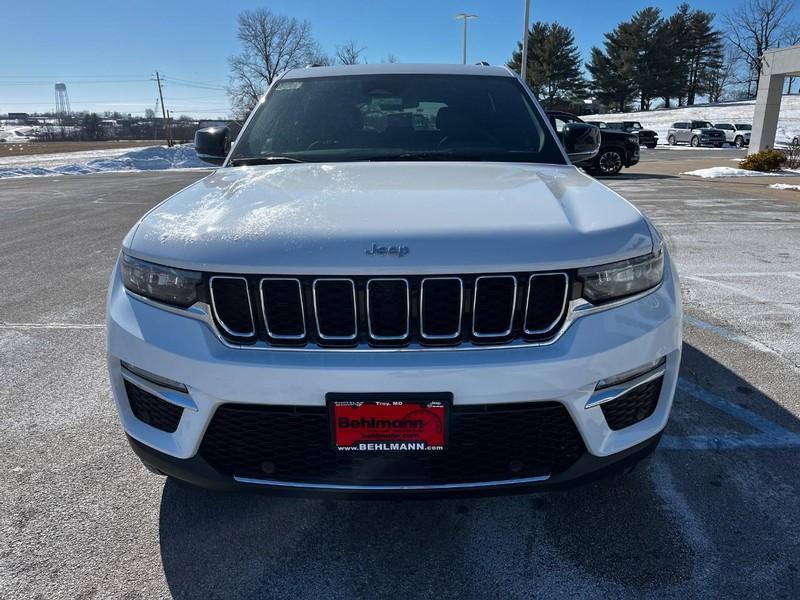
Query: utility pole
column 167, row 131
column 523, row 63
column 466, row 18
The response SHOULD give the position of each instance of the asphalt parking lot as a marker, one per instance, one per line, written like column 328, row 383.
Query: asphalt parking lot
column 714, row 513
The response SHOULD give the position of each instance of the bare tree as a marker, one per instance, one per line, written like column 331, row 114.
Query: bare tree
column 349, row 53
column 390, row 59
column 271, row 44
column 716, row 81
column 754, row 27
column 792, row 39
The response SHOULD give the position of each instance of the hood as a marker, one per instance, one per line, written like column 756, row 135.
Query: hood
column 345, row 218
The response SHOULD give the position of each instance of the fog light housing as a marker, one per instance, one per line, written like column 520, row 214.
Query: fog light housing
column 631, row 374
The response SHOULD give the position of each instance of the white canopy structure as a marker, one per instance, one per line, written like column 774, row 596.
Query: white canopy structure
column 776, row 66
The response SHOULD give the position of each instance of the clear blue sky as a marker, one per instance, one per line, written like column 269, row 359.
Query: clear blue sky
column 106, row 51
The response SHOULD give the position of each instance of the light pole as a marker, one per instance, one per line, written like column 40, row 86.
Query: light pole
column 466, row 18
column 523, row 63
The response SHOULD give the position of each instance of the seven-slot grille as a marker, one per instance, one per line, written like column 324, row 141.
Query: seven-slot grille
column 389, row 311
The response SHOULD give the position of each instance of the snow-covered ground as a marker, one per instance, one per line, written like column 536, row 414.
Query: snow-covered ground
column 15, row 133
column 785, row 186
column 716, row 172
column 151, row 158
column 725, row 112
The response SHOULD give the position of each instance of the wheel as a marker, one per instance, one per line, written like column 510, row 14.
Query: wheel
column 796, row 141
column 739, row 141
column 671, row 140
column 651, row 146
column 695, row 142
column 608, row 161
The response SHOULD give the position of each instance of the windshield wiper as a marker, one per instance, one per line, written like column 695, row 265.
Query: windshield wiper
column 264, row 160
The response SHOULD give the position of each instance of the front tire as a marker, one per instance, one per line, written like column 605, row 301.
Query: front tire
column 695, row 142
column 739, row 141
column 609, row 161
column 671, row 140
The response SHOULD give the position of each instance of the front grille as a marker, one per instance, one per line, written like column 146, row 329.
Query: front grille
column 487, row 443
column 153, row 410
column 390, row 311
column 634, row 406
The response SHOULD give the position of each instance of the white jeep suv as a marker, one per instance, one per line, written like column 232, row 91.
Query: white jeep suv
column 397, row 282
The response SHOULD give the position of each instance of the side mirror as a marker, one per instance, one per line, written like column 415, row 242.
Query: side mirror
column 212, row 144
column 581, row 141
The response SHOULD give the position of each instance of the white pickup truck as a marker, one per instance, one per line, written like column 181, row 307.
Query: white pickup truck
column 397, row 282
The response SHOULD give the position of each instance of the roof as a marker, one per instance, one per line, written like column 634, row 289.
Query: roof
column 395, row 68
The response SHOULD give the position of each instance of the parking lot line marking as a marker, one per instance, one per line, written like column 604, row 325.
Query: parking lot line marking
column 739, row 412
column 730, row 335
column 52, row 325
column 726, row 223
column 795, row 274
column 741, row 292
column 730, row 442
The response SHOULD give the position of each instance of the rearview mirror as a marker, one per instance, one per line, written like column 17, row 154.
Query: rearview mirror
column 581, row 141
column 212, row 144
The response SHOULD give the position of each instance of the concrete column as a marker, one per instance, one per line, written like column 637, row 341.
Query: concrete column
column 768, row 107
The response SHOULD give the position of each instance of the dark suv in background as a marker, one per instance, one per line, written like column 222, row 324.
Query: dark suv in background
column 618, row 149
column 647, row 137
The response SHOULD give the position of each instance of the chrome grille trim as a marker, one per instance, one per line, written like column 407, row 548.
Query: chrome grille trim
column 336, row 338
column 460, row 308
column 510, row 327
column 408, row 311
column 264, row 308
column 252, row 331
column 528, row 302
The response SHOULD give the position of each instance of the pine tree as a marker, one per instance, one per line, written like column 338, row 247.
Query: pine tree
column 611, row 73
column 554, row 64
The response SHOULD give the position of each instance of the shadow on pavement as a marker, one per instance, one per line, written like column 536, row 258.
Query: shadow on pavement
column 634, row 176
column 682, row 522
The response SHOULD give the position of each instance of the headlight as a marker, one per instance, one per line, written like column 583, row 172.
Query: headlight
column 165, row 284
column 624, row 278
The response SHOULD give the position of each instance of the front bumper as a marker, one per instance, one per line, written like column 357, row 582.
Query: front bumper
column 595, row 347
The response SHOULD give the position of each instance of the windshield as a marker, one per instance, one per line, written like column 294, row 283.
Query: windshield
column 702, row 125
column 397, row 117
column 636, row 125
column 744, row 127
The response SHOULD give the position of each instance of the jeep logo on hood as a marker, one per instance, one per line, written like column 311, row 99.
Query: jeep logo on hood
column 396, row 250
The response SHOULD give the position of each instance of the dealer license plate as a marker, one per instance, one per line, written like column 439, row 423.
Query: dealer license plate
column 389, row 423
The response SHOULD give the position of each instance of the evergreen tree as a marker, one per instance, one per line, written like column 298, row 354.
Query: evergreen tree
column 553, row 65
column 705, row 53
column 611, row 73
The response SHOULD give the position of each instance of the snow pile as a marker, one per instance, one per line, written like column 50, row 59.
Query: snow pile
column 725, row 112
column 716, row 172
column 15, row 133
column 785, row 186
column 152, row 158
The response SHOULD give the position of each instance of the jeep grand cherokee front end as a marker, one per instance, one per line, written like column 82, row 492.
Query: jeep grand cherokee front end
column 397, row 282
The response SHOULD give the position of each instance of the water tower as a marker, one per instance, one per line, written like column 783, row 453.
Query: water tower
column 62, row 100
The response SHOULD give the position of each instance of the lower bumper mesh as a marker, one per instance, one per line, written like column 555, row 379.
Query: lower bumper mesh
column 487, row 443
column 634, row 406
column 153, row 410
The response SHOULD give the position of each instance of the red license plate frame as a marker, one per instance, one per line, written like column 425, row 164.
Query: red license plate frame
column 389, row 423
